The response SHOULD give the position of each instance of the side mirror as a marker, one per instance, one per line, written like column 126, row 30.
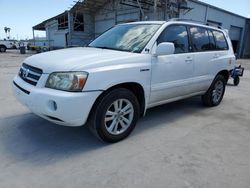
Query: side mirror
column 164, row 48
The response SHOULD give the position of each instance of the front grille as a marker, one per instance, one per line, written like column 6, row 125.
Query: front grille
column 30, row 74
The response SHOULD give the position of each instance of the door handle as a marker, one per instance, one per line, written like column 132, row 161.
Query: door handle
column 189, row 59
column 216, row 56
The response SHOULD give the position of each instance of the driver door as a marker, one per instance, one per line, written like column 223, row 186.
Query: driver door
column 172, row 74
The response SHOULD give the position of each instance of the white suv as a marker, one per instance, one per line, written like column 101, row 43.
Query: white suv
column 127, row 70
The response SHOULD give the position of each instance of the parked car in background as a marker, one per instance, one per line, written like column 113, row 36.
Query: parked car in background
column 4, row 45
column 8, row 44
column 125, row 71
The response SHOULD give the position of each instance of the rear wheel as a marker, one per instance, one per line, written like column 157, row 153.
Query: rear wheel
column 215, row 93
column 115, row 115
column 2, row 48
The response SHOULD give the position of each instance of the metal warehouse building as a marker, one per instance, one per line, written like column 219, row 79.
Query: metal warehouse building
column 89, row 18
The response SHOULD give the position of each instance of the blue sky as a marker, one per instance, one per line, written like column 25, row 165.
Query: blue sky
column 21, row 15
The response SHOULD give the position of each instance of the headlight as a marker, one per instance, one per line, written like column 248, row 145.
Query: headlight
column 67, row 81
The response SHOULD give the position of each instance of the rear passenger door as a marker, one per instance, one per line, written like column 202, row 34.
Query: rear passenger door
column 203, row 46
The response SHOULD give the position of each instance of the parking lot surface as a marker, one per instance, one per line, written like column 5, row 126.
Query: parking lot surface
column 177, row 145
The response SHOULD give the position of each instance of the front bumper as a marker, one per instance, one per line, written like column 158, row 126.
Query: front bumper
column 60, row 107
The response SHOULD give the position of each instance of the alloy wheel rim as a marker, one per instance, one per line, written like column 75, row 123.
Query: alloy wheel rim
column 218, row 91
column 119, row 116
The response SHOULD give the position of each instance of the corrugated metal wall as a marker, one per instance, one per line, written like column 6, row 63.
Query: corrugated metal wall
column 115, row 12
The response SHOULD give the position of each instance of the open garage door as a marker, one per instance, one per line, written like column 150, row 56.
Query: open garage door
column 235, row 35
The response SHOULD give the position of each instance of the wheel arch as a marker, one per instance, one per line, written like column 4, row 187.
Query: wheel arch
column 2, row 45
column 136, row 88
column 225, row 74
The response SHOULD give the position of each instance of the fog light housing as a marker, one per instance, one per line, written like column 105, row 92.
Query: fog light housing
column 52, row 105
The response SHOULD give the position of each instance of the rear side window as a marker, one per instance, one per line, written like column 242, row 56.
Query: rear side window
column 220, row 40
column 200, row 39
column 178, row 35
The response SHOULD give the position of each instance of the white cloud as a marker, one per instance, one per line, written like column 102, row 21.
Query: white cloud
column 248, row 16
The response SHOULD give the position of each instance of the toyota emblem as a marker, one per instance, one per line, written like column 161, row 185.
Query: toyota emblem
column 25, row 73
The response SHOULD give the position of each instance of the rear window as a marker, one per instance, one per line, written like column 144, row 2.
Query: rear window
column 220, row 40
column 200, row 39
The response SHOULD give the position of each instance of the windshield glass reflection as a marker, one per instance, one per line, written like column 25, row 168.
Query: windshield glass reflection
column 128, row 37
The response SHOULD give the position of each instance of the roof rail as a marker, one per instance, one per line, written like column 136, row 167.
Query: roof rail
column 195, row 21
column 186, row 20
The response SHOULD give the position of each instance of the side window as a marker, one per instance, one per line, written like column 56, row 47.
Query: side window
column 211, row 40
column 176, row 34
column 221, row 43
column 200, row 39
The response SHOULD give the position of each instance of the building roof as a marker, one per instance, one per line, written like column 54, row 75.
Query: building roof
column 89, row 5
column 41, row 26
column 94, row 5
column 84, row 5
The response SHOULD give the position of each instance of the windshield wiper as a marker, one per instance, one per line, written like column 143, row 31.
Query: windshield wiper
column 105, row 47
column 109, row 48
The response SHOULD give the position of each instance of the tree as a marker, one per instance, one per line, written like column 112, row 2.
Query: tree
column 7, row 30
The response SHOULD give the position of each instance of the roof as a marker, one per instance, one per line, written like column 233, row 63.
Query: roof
column 89, row 5
column 146, row 22
column 41, row 26
column 84, row 5
column 195, row 23
column 177, row 21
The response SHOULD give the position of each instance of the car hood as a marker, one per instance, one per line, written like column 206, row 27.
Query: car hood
column 78, row 59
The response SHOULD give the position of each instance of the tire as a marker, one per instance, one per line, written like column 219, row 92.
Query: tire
column 108, row 122
column 236, row 80
column 2, row 48
column 215, row 93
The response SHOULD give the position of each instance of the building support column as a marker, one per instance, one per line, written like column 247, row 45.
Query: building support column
column 70, row 28
column 206, row 14
column 34, row 40
column 155, row 9
column 115, row 10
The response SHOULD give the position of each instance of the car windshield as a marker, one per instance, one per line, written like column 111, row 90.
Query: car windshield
column 127, row 37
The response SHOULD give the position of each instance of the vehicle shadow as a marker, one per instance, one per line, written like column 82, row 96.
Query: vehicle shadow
column 168, row 113
column 31, row 139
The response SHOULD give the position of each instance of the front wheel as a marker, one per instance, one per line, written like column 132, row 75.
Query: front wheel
column 215, row 93
column 115, row 115
column 3, row 49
